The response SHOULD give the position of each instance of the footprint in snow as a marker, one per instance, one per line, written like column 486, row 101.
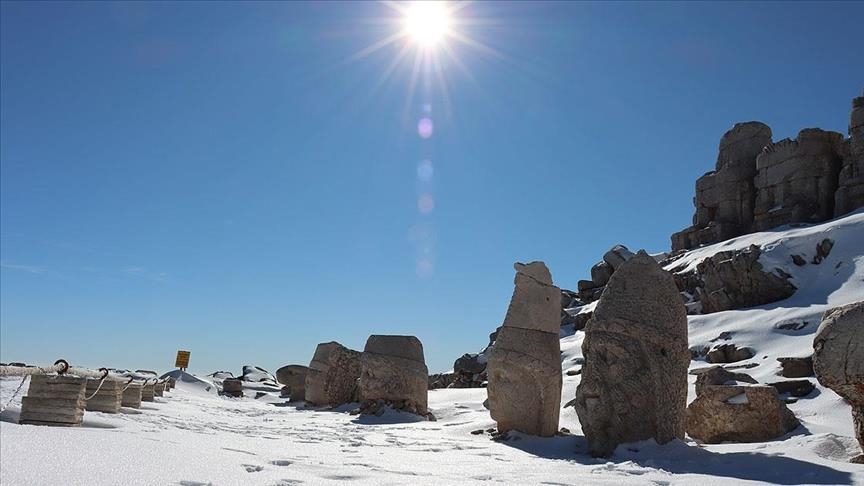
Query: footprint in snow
column 281, row 462
column 250, row 468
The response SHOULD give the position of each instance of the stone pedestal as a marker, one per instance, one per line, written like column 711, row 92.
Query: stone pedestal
column 107, row 399
column 132, row 396
column 53, row 400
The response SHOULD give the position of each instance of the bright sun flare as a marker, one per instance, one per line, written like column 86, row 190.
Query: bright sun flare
column 427, row 22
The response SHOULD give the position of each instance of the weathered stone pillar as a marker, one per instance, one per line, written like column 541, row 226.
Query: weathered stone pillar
column 332, row 376
column 159, row 389
column 634, row 381
column 524, row 368
column 393, row 369
column 53, row 400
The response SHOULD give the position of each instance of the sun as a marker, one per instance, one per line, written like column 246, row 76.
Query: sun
column 427, row 23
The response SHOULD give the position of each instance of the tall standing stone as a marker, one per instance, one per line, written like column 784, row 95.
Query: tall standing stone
column 838, row 358
column 634, row 381
column 332, row 375
column 393, row 369
column 524, row 366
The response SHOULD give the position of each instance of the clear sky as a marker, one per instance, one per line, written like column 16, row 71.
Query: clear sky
column 246, row 180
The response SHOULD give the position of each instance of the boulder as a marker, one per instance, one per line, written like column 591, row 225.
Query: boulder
column 634, row 381
column 796, row 388
column 601, row 273
column 470, row 363
column 524, row 367
column 729, row 353
column 717, row 375
column 838, row 358
column 233, row 387
column 332, row 375
column 616, row 256
column 294, row 379
column 738, row 413
column 736, row 280
column 393, row 369
column 796, row 367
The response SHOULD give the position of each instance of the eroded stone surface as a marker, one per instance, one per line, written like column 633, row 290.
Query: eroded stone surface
column 524, row 368
column 294, row 379
column 738, row 414
column 332, row 375
column 393, row 369
column 634, row 382
column 838, row 358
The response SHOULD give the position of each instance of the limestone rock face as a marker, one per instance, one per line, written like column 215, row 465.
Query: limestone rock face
column 524, row 368
column 294, row 378
column 393, row 369
column 725, row 197
column 796, row 179
column 332, row 375
column 634, row 381
column 738, row 414
column 838, row 358
column 736, row 280
column 850, row 191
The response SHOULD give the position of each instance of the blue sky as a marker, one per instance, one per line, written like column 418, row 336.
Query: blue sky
column 226, row 178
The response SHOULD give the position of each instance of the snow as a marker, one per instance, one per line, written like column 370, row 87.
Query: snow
column 194, row 437
column 740, row 399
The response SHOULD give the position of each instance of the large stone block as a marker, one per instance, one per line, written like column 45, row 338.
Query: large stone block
column 393, row 369
column 332, row 375
column 294, row 378
column 738, row 413
column 107, row 399
column 132, row 396
column 524, row 368
column 838, row 358
column 634, row 381
column 53, row 400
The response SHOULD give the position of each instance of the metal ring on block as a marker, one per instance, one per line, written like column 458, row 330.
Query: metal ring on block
column 65, row 366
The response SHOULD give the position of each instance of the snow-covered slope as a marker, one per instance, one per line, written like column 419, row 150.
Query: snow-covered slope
column 194, row 437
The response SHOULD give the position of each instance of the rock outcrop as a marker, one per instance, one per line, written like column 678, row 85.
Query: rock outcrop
column 717, row 375
column 393, row 369
column 796, row 179
column 736, row 279
column 725, row 197
column 838, row 358
column 736, row 413
column 332, row 375
column 850, row 191
column 294, row 379
column 524, row 368
column 634, row 381
column 757, row 184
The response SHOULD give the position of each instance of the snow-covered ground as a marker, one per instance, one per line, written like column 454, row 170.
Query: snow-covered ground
column 192, row 436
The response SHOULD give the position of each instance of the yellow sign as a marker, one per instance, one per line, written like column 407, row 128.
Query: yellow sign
column 182, row 361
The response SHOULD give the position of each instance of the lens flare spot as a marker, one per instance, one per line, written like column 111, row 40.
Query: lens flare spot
column 425, row 127
column 425, row 171
column 426, row 203
column 425, row 268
